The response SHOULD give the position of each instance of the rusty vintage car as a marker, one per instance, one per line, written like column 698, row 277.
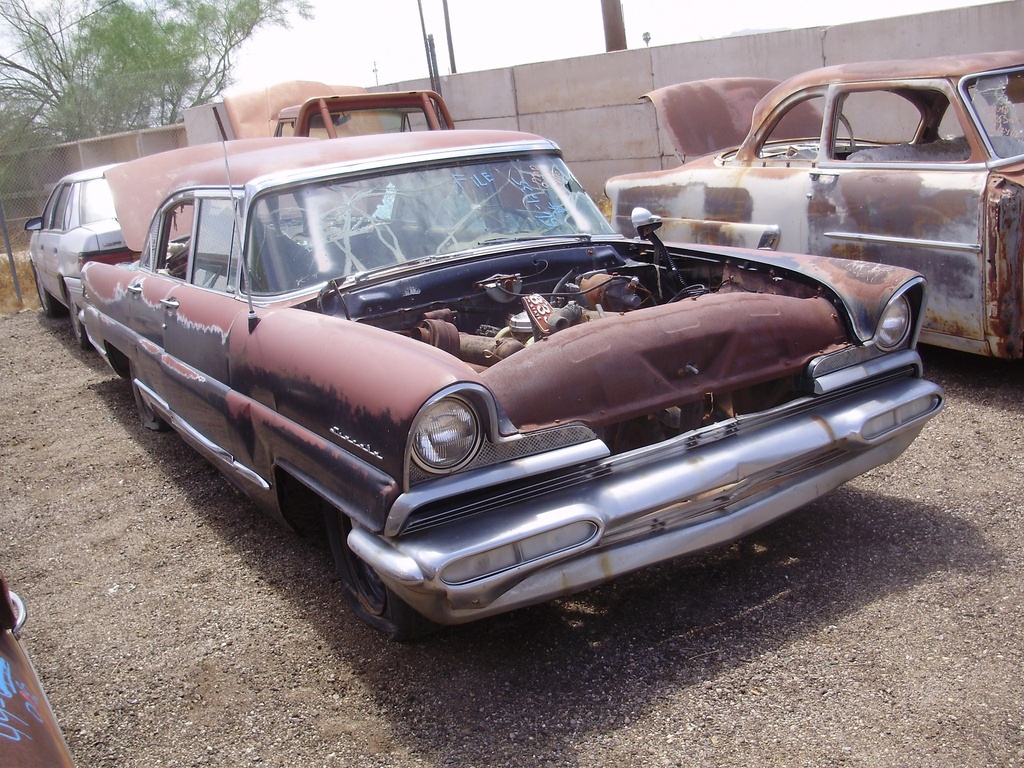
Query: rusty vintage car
column 355, row 114
column 309, row 108
column 436, row 340
column 916, row 163
column 29, row 734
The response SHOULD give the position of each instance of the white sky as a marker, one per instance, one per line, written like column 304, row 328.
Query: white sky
column 366, row 42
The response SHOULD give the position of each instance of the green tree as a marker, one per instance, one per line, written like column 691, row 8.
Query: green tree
column 72, row 69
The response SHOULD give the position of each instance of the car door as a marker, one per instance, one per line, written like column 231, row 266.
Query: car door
column 66, row 244
column 200, row 312
column 46, row 242
column 910, row 196
column 162, row 268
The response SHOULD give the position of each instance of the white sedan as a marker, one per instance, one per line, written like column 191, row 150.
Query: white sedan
column 78, row 225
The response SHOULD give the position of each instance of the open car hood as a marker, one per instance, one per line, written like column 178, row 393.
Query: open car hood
column 704, row 116
column 140, row 186
column 253, row 114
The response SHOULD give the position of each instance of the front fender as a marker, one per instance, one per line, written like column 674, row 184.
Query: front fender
column 862, row 287
column 357, row 386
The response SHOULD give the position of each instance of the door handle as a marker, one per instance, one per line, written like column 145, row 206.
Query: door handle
column 169, row 303
column 135, row 288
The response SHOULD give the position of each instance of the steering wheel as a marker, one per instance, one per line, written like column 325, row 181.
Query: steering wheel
column 344, row 223
column 845, row 121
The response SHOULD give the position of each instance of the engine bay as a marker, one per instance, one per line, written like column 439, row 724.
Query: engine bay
column 660, row 349
column 484, row 309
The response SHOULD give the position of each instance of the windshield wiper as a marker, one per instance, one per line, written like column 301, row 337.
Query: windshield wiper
column 579, row 236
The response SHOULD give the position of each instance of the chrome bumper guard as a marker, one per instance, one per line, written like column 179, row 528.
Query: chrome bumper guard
column 647, row 507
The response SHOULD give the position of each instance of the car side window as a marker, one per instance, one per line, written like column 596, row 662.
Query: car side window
column 171, row 257
column 998, row 105
column 60, row 212
column 796, row 134
column 909, row 126
column 96, row 201
column 213, row 265
column 48, row 209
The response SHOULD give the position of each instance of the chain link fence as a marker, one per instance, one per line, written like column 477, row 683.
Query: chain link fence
column 27, row 177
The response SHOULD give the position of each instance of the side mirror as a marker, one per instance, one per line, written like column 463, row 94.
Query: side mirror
column 644, row 222
column 34, row 224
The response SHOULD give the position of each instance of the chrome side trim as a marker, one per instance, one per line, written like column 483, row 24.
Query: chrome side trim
column 906, row 241
column 200, row 442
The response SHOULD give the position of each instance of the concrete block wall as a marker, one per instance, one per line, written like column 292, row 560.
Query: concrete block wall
column 591, row 107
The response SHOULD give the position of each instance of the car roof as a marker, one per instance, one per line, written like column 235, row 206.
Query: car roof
column 904, row 69
column 946, row 67
column 87, row 174
column 140, row 186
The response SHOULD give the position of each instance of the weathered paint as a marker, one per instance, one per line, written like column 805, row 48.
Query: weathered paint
column 608, row 371
column 29, row 734
column 1005, row 272
column 951, row 221
column 724, row 105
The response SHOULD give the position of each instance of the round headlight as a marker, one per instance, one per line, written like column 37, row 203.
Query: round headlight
column 447, row 434
column 894, row 327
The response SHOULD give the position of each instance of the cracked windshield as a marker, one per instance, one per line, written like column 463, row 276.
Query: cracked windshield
column 336, row 228
column 998, row 102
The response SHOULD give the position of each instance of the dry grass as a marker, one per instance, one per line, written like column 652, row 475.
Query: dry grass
column 8, row 296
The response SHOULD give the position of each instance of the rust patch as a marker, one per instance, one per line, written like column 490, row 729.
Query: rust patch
column 703, row 116
column 636, row 363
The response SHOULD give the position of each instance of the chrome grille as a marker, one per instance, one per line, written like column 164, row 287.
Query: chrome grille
column 844, row 358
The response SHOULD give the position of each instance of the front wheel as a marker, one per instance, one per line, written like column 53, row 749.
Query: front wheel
column 366, row 593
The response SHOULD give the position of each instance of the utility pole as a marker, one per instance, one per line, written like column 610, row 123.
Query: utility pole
column 448, row 33
column 614, row 26
column 428, row 46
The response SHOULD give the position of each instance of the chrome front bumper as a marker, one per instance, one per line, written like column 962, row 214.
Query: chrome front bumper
column 630, row 511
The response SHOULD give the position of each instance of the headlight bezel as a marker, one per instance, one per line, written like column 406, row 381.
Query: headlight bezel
column 435, row 409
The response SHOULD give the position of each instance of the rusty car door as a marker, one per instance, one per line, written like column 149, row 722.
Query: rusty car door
column 195, row 365
column 894, row 216
column 162, row 269
column 200, row 313
column 147, row 293
column 914, row 205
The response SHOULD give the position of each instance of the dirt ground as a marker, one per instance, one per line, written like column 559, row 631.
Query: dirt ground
column 173, row 625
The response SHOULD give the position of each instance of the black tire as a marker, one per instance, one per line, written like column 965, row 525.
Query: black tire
column 367, row 595
column 150, row 419
column 51, row 307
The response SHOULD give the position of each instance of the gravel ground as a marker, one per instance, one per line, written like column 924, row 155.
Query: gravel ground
column 173, row 625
